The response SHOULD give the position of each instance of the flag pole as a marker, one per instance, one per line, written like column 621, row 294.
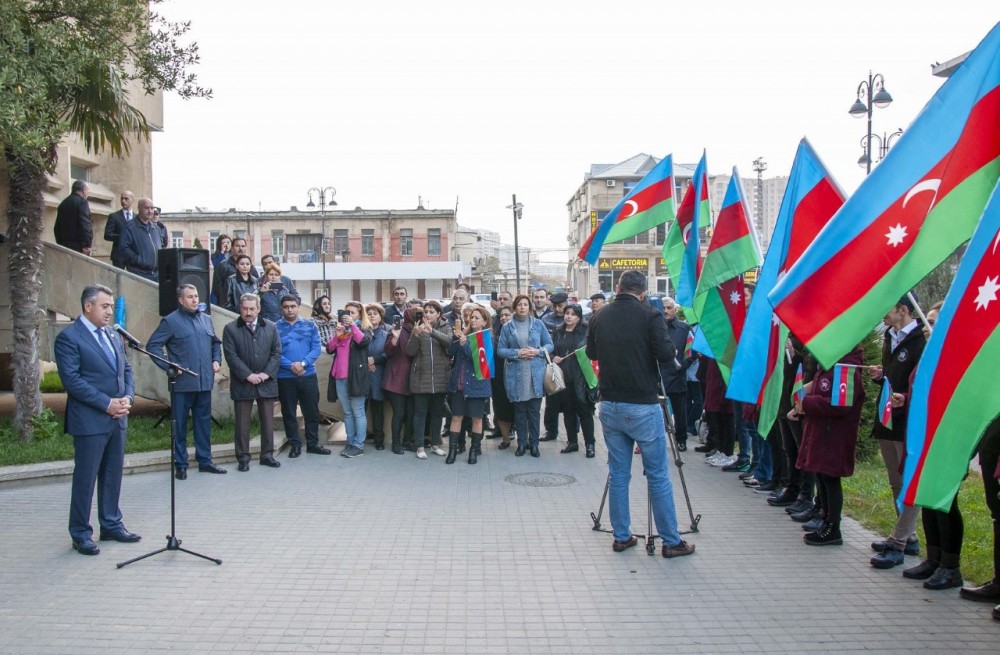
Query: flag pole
column 916, row 305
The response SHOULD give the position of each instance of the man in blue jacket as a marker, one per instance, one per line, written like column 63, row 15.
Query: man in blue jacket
column 99, row 394
column 190, row 340
column 297, row 382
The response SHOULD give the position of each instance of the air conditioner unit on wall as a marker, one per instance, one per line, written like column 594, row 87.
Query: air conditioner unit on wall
column 610, row 183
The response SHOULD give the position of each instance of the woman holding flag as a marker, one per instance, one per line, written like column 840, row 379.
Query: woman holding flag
column 472, row 350
column 830, row 407
column 575, row 403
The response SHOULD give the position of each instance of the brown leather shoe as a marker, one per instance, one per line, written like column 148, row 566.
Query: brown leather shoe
column 619, row 546
column 680, row 550
column 987, row 593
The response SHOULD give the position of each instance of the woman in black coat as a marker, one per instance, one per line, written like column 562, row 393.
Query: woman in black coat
column 575, row 400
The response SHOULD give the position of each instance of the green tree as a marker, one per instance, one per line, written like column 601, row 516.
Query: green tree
column 65, row 66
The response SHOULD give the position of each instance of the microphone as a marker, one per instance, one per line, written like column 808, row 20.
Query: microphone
column 132, row 341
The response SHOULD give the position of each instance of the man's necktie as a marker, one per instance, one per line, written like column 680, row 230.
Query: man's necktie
column 108, row 352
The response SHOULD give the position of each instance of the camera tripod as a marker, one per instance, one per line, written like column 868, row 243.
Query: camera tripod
column 650, row 537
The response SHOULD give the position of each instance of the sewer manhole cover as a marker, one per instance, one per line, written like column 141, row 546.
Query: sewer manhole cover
column 540, row 479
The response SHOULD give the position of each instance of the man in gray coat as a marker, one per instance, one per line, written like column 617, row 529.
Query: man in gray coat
column 253, row 351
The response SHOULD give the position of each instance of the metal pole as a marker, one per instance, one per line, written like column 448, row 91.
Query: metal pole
column 871, row 107
column 517, row 258
column 322, row 211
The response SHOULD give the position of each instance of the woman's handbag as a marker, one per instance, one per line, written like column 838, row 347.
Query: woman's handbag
column 553, row 381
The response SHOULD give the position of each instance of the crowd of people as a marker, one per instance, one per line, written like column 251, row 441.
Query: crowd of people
column 415, row 354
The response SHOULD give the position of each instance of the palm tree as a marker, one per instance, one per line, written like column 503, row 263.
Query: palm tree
column 100, row 113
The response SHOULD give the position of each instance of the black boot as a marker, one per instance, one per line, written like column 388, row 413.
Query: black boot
column 927, row 567
column 948, row 575
column 397, row 448
column 474, row 451
column 460, row 438
column 452, row 448
column 379, row 440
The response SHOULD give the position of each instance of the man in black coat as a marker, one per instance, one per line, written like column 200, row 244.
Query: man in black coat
column 674, row 374
column 116, row 225
column 73, row 228
column 252, row 349
column 140, row 242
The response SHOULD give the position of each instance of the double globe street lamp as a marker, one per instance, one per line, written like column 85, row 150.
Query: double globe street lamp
column 871, row 94
column 323, row 193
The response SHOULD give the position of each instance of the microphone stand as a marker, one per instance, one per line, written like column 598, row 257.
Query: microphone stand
column 173, row 543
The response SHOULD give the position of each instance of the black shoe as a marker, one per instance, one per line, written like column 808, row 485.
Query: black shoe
column 704, row 448
column 86, row 547
column 944, row 579
column 828, row 535
column 397, row 449
column 996, row 613
column 806, row 515
column 379, row 445
column 243, row 467
column 912, row 547
column 520, row 450
column 270, row 461
column 503, row 445
column 787, row 498
column 181, row 474
column 549, row 437
column 534, row 452
column 317, row 450
column 409, row 447
column 682, row 447
column 767, row 487
column 590, row 451
column 212, row 468
column 570, row 448
column 800, row 505
column 295, row 451
column 124, row 536
column 922, row 571
column 986, row 593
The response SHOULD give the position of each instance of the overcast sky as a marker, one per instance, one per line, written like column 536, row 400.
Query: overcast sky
column 472, row 101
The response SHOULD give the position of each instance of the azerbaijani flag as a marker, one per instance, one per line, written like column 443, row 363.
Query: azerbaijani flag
column 480, row 346
column 811, row 199
column 798, row 388
column 885, row 405
column 915, row 209
column 681, row 248
column 687, row 344
column 842, row 394
column 954, row 396
column 720, row 301
column 649, row 204
column 591, row 369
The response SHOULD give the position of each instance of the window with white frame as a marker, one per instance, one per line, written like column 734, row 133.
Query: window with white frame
column 278, row 244
column 434, row 242
column 367, row 243
column 176, row 239
column 340, row 241
column 406, row 242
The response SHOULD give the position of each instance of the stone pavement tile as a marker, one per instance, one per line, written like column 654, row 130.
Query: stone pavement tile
column 392, row 554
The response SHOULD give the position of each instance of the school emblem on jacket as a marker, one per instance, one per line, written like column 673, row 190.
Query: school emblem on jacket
column 824, row 385
column 903, row 354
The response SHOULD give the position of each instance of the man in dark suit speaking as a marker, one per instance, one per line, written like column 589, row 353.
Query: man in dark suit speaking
column 99, row 388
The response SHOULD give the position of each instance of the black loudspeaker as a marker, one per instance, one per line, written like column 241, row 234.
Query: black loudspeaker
column 179, row 266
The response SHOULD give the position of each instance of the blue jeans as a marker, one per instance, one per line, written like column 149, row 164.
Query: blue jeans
column 527, row 420
column 199, row 405
column 743, row 435
column 355, row 420
column 624, row 425
column 760, row 462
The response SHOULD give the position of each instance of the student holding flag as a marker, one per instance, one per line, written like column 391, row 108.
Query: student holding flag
column 831, row 415
column 470, row 386
column 575, row 402
column 902, row 347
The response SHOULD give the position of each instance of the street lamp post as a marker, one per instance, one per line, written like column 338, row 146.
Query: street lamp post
column 517, row 208
column 871, row 94
column 323, row 192
column 884, row 143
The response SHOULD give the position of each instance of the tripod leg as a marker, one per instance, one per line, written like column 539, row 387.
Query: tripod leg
column 604, row 498
column 191, row 552
column 136, row 559
column 671, row 437
column 650, row 536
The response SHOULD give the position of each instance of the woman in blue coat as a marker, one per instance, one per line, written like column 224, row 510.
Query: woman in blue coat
column 376, row 366
column 467, row 394
column 524, row 342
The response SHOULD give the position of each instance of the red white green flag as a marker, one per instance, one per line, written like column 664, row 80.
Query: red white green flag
column 590, row 368
column 955, row 396
column 798, row 386
column 842, row 394
column 682, row 248
column 921, row 202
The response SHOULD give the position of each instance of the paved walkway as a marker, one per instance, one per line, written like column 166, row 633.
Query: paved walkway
column 390, row 554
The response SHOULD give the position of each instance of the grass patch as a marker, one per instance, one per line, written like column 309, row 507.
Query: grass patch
column 51, row 383
column 868, row 499
column 51, row 444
